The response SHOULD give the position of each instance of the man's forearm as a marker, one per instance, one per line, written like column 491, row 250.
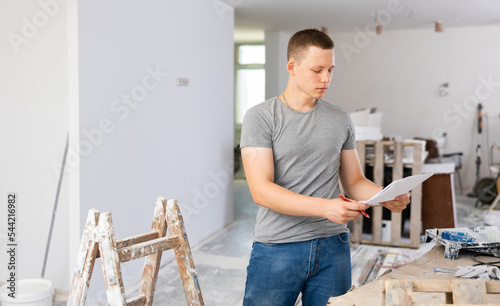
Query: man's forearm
column 362, row 190
column 282, row 200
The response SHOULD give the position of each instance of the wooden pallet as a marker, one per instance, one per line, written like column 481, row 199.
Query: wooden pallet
column 378, row 178
column 457, row 291
column 98, row 240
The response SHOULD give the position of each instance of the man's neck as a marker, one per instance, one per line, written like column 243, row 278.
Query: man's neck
column 297, row 101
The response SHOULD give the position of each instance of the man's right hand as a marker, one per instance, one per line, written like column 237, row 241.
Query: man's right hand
column 341, row 212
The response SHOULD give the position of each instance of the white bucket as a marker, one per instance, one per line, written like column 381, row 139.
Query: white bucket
column 32, row 292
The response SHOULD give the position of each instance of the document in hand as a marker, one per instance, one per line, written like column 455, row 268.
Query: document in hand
column 398, row 187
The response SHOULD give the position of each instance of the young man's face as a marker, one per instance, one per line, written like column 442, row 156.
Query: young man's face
column 314, row 72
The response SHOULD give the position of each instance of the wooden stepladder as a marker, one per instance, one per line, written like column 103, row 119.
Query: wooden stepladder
column 98, row 239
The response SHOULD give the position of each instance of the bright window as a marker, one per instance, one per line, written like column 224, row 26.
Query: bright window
column 251, row 54
column 250, row 78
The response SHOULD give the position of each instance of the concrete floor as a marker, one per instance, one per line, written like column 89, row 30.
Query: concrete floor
column 221, row 261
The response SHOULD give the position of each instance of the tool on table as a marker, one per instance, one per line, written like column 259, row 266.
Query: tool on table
column 361, row 211
column 480, row 272
column 436, row 269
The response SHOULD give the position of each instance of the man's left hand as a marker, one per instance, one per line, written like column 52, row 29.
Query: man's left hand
column 398, row 204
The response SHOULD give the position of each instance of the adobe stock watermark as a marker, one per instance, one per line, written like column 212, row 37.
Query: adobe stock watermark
column 218, row 182
column 363, row 36
column 222, row 7
column 456, row 114
column 122, row 107
column 49, row 9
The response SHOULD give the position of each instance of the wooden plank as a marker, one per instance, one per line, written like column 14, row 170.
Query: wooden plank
column 357, row 225
column 84, row 262
column 357, row 229
column 361, row 147
column 153, row 260
column 366, row 271
column 444, row 286
column 448, row 304
column 378, row 178
column 86, row 243
column 493, row 287
column 416, row 198
column 397, row 168
column 431, row 285
column 399, row 292
column 378, row 169
column 387, row 142
column 133, row 240
column 376, row 217
column 386, row 243
column 469, row 291
column 136, row 301
column 397, row 173
column 147, row 248
column 396, row 224
column 110, row 260
column 136, row 239
column 183, row 255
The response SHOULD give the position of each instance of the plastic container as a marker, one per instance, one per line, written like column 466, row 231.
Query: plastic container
column 29, row 292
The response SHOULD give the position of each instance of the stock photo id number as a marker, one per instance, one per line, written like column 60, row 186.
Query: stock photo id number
column 11, row 244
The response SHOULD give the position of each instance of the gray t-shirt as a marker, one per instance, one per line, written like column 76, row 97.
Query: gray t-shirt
column 306, row 149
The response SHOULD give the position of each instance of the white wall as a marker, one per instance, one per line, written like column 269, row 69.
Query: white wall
column 276, row 43
column 33, row 129
column 168, row 141
column 399, row 73
column 172, row 141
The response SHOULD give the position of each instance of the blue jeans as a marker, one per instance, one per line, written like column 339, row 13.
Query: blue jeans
column 319, row 268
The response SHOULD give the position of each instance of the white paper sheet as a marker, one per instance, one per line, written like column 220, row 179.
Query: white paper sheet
column 396, row 188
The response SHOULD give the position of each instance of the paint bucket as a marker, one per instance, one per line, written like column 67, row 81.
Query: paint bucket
column 32, row 292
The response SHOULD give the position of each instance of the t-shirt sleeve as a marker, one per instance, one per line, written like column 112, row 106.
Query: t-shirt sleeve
column 256, row 130
column 350, row 142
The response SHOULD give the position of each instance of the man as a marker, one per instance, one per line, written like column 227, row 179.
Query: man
column 294, row 149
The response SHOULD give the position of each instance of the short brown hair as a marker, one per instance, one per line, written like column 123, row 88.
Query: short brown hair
column 300, row 41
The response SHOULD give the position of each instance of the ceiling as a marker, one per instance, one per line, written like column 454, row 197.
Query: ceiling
column 253, row 17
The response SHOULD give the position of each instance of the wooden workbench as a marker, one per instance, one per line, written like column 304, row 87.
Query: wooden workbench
column 422, row 268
